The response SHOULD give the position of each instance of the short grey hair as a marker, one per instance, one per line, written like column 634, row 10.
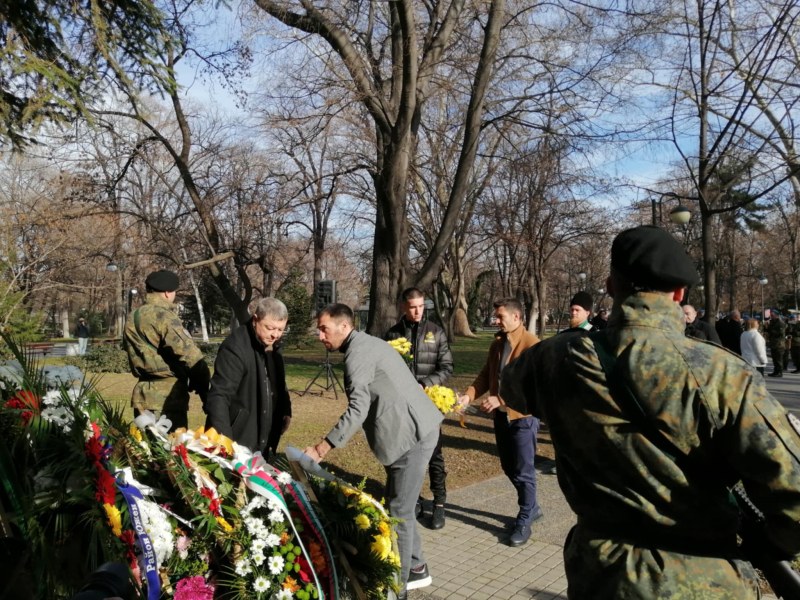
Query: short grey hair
column 269, row 307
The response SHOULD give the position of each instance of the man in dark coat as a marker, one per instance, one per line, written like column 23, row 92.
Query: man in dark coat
column 730, row 331
column 776, row 338
column 698, row 328
column 249, row 401
column 432, row 364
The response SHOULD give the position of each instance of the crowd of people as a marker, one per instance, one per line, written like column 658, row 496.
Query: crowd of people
column 651, row 424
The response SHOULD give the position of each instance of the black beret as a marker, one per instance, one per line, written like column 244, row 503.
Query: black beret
column 650, row 258
column 582, row 299
column 162, row 281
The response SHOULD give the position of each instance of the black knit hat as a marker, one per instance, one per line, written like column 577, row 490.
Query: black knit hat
column 650, row 258
column 582, row 299
column 162, row 281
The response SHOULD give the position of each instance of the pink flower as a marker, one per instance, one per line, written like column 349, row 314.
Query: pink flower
column 194, row 588
column 182, row 545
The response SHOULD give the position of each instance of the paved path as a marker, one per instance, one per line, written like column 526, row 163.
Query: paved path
column 468, row 559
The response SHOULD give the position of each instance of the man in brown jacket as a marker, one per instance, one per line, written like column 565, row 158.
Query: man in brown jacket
column 514, row 432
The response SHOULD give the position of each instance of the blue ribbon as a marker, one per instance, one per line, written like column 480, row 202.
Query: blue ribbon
column 132, row 495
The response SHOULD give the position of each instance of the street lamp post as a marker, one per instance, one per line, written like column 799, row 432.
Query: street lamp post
column 762, row 282
column 679, row 215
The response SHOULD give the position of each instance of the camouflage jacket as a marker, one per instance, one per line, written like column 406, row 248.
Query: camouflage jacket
column 776, row 332
column 793, row 330
column 159, row 346
column 648, row 526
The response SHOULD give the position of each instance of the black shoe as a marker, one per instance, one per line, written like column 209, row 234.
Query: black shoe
column 520, row 536
column 437, row 519
column 775, row 375
column 796, row 371
column 537, row 515
column 419, row 577
column 418, row 509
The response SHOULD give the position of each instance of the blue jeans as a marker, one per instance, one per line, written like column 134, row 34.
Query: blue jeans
column 516, row 445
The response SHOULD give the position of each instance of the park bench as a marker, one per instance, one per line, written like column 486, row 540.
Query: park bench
column 39, row 348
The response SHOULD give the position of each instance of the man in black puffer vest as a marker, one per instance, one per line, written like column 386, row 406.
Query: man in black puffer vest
column 432, row 364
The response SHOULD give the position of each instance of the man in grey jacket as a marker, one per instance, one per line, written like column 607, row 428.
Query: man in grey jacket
column 399, row 420
column 432, row 364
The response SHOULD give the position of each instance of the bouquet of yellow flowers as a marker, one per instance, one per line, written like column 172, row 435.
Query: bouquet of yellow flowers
column 443, row 397
column 403, row 347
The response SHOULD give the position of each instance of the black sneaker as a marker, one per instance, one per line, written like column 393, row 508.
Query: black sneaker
column 419, row 577
column 519, row 536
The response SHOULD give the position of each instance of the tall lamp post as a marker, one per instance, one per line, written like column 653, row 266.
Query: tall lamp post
column 581, row 278
column 762, row 281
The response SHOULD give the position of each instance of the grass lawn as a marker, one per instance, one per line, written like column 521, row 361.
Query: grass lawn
column 469, row 451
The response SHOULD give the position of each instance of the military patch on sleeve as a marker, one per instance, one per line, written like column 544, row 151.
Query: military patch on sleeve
column 794, row 422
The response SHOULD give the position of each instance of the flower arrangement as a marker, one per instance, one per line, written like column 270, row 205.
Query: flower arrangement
column 443, row 397
column 192, row 514
column 366, row 533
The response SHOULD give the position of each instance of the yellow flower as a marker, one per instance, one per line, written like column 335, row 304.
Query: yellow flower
column 402, row 345
column 382, row 546
column 443, row 397
column 394, row 558
column 135, row 433
column 362, row 521
column 114, row 519
column 384, row 528
column 224, row 524
column 290, row 584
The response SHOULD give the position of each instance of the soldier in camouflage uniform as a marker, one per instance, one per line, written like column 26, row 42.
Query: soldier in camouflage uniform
column 163, row 355
column 776, row 339
column 655, row 524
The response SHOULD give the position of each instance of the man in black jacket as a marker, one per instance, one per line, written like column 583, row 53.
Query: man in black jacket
column 249, row 401
column 698, row 328
column 432, row 364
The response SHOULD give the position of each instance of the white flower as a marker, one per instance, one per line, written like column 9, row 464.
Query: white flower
column 257, row 558
column 52, row 398
column 276, row 516
column 273, row 504
column 276, row 563
column 242, row 568
column 257, row 545
column 284, row 595
column 284, row 478
column 261, row 584
column 272, row 540
column 158, row 529
column 58, row 415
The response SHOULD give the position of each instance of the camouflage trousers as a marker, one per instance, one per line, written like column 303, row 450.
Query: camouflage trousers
column 603, row 569
column 169, row 396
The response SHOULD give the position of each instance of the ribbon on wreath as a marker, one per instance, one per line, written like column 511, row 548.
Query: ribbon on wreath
column 148, row 558
column 255, row 473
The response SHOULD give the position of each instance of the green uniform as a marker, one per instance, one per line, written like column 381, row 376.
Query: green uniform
column 776, row 338
column 648, row 528
column 166, row 360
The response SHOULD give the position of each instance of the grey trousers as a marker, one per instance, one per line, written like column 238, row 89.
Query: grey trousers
column 404, row 480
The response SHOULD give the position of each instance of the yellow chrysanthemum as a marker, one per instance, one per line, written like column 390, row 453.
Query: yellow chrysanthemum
column 114, row 519
column 290, row 584
column 382, row 546
column 384, row 528
column 224, row 524
column 402, row 345
column 362, row 521
column 136, row 433
column 394, row 558
column 443, row 397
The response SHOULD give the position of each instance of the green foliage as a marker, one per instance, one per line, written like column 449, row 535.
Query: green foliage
column 209, row 351
column 299, row 302
column 102, row 358
column 56, row 53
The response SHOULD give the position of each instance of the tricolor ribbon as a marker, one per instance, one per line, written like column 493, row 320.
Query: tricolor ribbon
column 257, row 478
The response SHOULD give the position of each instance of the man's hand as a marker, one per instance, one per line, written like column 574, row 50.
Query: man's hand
column 287, row 420
column 490, row 404
column 318, row 451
